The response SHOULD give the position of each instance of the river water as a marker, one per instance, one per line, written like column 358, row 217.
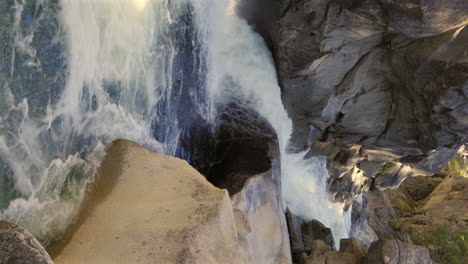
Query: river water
column 77, row 74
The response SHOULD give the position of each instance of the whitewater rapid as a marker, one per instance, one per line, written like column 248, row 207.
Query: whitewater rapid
column 121, row 68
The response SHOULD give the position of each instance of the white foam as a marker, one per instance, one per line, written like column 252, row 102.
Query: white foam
column 243, row 66
column 126, row 43
column 107, row 41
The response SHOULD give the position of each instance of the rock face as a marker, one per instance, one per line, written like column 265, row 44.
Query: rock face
column 18, row 246
column 261, row 224
column 321, row 255
column 396, row 252
column 152, row 208
column 309, row 239
column 437, row 221
column 246, row 145
column 445, row 204
column 380, row 214
column 383, row 82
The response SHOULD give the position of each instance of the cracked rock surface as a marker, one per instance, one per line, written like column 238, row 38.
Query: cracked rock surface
column 385, row 84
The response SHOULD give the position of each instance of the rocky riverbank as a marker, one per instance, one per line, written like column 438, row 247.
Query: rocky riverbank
column 151, row 208
column 378, row 87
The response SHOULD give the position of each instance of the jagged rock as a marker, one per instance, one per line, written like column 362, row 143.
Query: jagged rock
column 425, row 18
column 380, row 214
column 18, row 246
column 152, row 208
column 439, row 219
column 360, row 228
column 295, row 235
column 420, row 187
column 323, row 255
column 314, row 230
column 354, row 246
column 445, row 204
column 307, row 237
column 396, row 252
column 246, row 144
column 334, row 257
column 383, row 82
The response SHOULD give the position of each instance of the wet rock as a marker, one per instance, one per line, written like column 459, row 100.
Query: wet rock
column 314, row 230
column 295, row 235
column 246, row 144
column 18, row 246
column 260, row 220
column 396, row 252
column 307, row 237
column 380, row 216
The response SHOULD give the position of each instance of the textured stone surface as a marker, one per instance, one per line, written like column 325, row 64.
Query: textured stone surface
column 260, row 220
column 152, row 208
column 381, row 81
column 308, row 238
column 444, row 204
column 396, row 252
column 380, row 213
column 18, row 246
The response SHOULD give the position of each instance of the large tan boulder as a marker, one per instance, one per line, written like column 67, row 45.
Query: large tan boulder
column 152, row 208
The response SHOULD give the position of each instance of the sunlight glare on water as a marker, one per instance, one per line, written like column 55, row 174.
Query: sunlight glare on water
column 140, row 4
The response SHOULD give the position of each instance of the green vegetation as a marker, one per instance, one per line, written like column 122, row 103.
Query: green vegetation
column 457, row 167
column 388, row 168
column 395, row 224
column 445, row 246
column 402, row 208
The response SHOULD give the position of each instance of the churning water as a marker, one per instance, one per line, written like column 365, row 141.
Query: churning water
column 77, row 74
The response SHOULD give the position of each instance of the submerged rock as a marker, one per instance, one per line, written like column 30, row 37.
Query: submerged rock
column 18, row 246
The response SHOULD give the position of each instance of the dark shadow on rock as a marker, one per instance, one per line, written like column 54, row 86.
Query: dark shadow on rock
column 304, row 235
column 245, row 146
column 261, row 14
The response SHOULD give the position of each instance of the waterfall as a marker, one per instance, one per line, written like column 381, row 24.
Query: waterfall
column 243, row 67
column 79, row 74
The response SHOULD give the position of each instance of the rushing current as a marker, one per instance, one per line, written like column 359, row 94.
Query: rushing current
column 77, row 74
